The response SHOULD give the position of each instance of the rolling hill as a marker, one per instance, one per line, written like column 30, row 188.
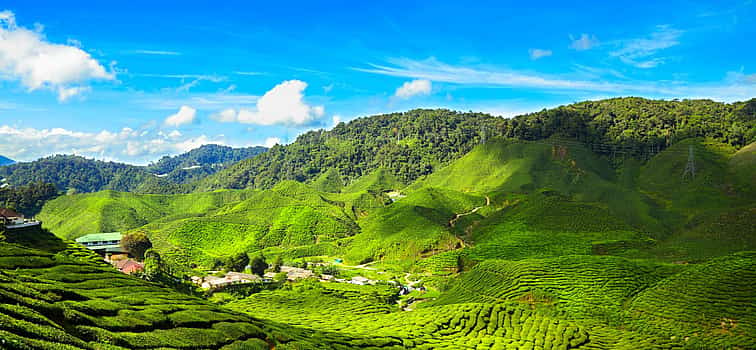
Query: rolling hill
column 168, row 175
column 615, row 224
column 56, row 295
column 200, row 162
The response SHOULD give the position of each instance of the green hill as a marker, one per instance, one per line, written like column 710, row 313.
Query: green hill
column 418, row 142
column 108, row 211
column 200, row 162
column 57, row 296
column 167, row 175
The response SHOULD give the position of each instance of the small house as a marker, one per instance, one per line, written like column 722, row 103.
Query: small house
column 105, row 244
column 9, row 217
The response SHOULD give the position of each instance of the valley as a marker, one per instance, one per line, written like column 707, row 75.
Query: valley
column 568, row 233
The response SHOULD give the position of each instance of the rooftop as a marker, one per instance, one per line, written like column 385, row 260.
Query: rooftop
column 99, row 237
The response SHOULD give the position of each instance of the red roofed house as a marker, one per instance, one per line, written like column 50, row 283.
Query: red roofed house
column 128, row 266
column 10, row 217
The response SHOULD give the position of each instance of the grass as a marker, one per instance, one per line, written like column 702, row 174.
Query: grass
column 77, row 302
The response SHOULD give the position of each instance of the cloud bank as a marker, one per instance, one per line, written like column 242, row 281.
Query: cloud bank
column 282, row 105
column 26, row 56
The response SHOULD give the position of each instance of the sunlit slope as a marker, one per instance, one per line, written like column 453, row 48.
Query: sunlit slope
column 370, row 312
column 581, row 286
column 712, row 305
column 108, row 211
column 710, row 211
column 377, row 181
column 288, row 216
column 411, row 227
column 57, row 296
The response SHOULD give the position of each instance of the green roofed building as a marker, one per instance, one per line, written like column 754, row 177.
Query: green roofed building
column 103, row 243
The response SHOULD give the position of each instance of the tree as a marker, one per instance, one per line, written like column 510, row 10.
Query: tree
column 258, row 265
column 277, row 262
column 136, row 244
column 153, row 265
column 237, row 262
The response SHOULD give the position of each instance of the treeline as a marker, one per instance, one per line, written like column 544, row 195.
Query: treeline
column 409, row 144
column 27, row 200
column 639, row 126
column 73, row 174
column 414, row 143
column 201, row 162
column 78, row 174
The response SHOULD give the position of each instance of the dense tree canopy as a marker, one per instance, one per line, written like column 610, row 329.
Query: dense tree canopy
column 136, row 244
column 27, row 200
column 416, row 142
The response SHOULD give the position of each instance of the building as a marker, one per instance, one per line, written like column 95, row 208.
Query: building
column 9, row 217
column 214, row 282
column 105, row 244
column 128, row 266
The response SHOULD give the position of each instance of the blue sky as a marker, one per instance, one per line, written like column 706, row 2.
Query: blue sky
column 137, row 81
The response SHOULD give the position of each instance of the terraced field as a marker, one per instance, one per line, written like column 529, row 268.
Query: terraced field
column 63, row 297
column 712, row 305
column 361, row 313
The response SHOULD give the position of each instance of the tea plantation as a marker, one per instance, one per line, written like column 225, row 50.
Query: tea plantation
column 61, row 296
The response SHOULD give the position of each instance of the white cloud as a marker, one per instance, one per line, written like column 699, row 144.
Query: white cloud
column 414, row 88
column 639, row 52
column 65, row 93
column 225, row 116
column 584, row 42
column 272, row 141
column 496, row 77
column 185, row 115
column 538, row 53
column 282, row 105
column 138, row 146
column 26, row 56
column 335, row 120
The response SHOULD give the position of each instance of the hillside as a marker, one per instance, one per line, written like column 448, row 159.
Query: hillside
column 60, row 296
column 201, row 162
column 79, row 174
column 418, row 142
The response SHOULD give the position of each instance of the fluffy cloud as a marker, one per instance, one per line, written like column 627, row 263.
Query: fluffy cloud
column 27, row 57
column 272, row 141
column 584, row 42
column 282, row 105
column 139, row 146
column 539, row 53
column 185, row 115
column 413, row 88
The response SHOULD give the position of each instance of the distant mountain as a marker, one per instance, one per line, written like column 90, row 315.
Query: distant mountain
column 80, row 174
column 201, row 162
column 6, row 161
column 416, row 143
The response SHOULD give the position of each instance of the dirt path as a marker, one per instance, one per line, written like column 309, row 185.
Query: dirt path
column 458, row 216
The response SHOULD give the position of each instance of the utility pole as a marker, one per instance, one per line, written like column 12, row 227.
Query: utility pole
column 482, row 134
column 690, row 168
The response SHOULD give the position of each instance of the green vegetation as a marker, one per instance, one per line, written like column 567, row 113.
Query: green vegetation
column 201, row 162
column 614, row 224
column 418, row 142
column 60, row 296
column 27, row 200
column 78, row 174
